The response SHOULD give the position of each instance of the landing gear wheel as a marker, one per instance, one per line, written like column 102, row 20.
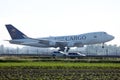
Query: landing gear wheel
column 67, row 49
column 62, row 49
column 103, row 45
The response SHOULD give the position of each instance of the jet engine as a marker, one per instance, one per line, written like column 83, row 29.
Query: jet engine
column 52, row 43
column 70, row 44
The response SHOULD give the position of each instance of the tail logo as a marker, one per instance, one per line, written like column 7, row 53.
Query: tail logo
column 13, row 30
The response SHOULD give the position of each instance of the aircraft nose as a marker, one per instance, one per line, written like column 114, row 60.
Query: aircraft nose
column 111, row 37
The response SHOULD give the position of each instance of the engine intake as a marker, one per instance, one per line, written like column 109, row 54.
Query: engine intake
column 52, row 43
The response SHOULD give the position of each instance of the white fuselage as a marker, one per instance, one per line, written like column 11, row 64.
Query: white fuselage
column 66, row 41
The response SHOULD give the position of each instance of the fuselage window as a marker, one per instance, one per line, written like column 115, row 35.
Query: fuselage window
column 95, row 36
column 105, row 33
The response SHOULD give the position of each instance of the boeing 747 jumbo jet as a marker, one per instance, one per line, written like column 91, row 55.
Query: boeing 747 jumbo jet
column 63, row 42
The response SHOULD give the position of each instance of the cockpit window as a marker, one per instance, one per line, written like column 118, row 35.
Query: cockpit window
column 104, row 32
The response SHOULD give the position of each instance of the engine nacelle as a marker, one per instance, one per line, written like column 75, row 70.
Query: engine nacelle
column 70, row 44
column 80, row 45
column 52, row 43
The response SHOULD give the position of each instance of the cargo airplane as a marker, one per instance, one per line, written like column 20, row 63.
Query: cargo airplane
column 63, row 42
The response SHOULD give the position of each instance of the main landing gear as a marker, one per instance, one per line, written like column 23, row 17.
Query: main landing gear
column 103, row 46
column 64, row 49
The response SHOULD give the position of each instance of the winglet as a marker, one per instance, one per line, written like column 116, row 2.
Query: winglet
column 15, row 33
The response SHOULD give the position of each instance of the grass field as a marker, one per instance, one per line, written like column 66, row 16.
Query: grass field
column 60, row 64
column 59, row 70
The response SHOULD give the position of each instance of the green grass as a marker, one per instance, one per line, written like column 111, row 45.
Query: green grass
column 58, row 70
column 60, row 64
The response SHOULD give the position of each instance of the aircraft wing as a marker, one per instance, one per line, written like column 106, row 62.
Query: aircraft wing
column 60, row 43
column 55, row 42
column 49, row 42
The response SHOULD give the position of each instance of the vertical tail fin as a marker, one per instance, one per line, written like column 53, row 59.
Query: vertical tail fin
column 15, row 33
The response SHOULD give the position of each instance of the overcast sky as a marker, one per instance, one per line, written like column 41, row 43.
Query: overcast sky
column 42, row 18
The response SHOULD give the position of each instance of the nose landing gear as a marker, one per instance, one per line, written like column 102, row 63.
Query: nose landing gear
column 103, row 46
